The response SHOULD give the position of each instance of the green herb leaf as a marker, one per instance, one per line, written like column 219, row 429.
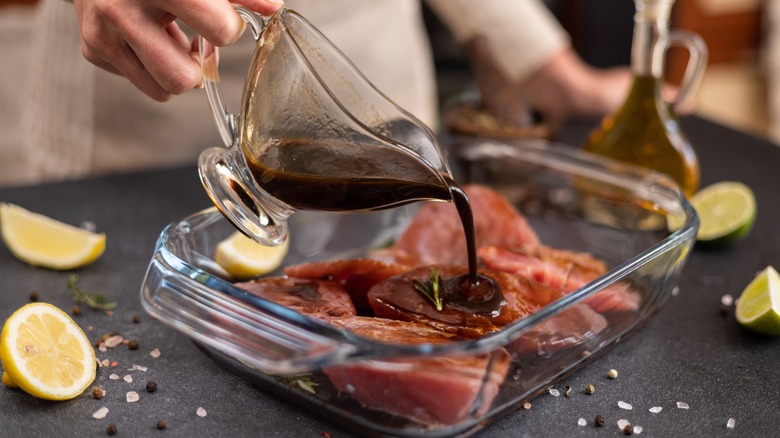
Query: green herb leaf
column 91, row 300
column 302, row 381
column 430, row 289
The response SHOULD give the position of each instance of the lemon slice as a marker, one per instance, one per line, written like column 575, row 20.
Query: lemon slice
column 244, row 258
column 758, row 308
column 42, row 241
column 46, row 353
column 726, row 212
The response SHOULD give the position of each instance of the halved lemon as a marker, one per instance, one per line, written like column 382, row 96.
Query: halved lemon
column 244, row 258
column 758, row 308
column 46, row 353
column 42, row 241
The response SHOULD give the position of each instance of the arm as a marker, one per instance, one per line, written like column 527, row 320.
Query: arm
column 140, row 40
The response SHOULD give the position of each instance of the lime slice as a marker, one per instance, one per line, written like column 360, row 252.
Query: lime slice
column 726, row 212
column 758, row 308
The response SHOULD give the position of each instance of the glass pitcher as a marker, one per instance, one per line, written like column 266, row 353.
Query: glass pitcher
column 312, row 133
column 645, row 130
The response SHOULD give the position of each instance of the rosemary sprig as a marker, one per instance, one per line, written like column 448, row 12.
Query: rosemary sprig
column 303, row 381
column 91, row 300
column 430, row 289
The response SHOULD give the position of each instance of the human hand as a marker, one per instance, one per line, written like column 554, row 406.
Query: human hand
column 140, row 40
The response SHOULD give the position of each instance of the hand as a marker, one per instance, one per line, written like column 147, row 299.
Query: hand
column 140, row 40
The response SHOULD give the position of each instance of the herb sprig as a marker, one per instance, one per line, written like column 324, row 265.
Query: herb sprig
column 91, row 300
column 430, row 289
column 303, row 381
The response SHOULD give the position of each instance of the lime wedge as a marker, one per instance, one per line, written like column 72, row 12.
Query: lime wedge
column 758, row 308
column 726, row 212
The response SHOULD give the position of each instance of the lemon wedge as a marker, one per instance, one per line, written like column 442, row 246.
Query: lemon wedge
column 46, row 353
column 244, row 258
column 42, row 241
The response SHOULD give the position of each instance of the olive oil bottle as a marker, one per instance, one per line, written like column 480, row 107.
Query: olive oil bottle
column 645, row 130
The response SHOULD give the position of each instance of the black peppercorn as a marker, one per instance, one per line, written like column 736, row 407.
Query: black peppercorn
column 111, row 429
column 33, row 297
column 151, row 386
column 160, row 425
column 628, row 430
column 599, row 421
column 98, row 393
column 76, row 310
column 136, row 319
column 132, row 344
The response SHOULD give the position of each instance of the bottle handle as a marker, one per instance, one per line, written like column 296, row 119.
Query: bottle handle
column 697, row 63
column 227, row 123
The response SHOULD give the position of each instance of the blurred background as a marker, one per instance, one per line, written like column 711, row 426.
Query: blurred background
column 737, row 89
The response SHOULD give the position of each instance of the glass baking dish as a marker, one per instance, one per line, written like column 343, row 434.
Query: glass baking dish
column 574, row 201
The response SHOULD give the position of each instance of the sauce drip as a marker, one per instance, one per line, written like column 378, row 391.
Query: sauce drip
column 347, row 177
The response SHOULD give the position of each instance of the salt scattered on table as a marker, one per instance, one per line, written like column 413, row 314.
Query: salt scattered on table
column 100, row 413
column 624, row 405
column 656, row 409
column 637, row 430
column 132, row 397
column 582, row 422
column 554, row 392
column 113, row 341
column 201, row 412
column 622, row 423
column 138, row 368
column 727, row 300
column 731, row 423
column 682, row 405
column 155, row 353
column 114, row 377
column 128, row 378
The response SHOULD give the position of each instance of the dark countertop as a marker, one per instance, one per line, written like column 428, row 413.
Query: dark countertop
column 689, row 352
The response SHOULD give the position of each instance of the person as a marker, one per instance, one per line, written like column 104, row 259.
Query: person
column 81, row 119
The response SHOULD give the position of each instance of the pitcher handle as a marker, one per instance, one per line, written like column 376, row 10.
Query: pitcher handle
column 697, row 63
column 227, row 123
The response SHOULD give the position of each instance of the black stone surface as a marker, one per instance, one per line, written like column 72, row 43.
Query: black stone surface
column 687, row 353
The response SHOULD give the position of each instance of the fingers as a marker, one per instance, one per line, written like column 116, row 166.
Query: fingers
column 140, row 40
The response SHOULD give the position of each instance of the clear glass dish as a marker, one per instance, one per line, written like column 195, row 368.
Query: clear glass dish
column 574, row 201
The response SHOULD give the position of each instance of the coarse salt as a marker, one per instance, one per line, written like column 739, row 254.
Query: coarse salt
column 132, row 397
column 128, row 378
column 201, row 412
column 114, row 377
column 554, row 392
column 105, row 362
column 637, row 430
column 138, row 368
column 113, row 341
column 682, row 405
column 656, row 409
column 727, row 300
column 731, row 423
column 102, row 347
column 155, row 353
column 622, row 423
column 100, row 413
column 582, row 422
column 624, row 405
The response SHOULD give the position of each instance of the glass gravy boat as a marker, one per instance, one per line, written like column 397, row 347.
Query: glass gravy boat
column 312, row 134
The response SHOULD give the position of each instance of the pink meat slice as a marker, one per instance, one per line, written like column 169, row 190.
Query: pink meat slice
column 396, row 298
column 436, row 236
column 316, row 298
column 562, row 270
column 440, row 390
column 356, row 276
